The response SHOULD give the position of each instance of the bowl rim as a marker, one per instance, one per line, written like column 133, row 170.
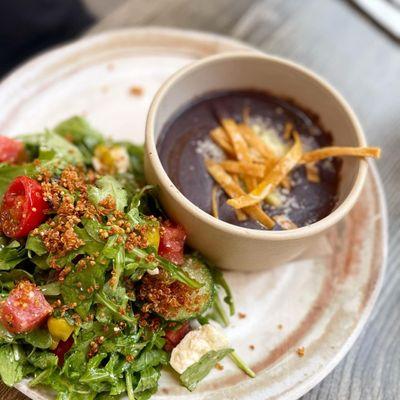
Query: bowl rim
column 321, row 225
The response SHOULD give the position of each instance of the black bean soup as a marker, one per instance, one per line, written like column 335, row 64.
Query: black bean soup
column 185, row 142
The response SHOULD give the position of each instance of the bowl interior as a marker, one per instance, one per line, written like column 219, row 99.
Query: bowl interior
column 271, row 74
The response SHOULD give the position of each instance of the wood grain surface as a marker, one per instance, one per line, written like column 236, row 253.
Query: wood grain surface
column 338, row 42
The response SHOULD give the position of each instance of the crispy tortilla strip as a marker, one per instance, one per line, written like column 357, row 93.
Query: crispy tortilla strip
column 239, row 144
column 254, row 141
column 287, row 133
column 286, row 183
column 240, row 215
column 312, row 172
column 325, row 152
column 250, row 172
column 214, row 202
column 219, row 136
column 243, row 168
column 273, row 179
column 285, row 222
column 232, row 189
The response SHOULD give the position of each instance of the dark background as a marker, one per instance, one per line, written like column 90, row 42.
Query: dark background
column 29, row 26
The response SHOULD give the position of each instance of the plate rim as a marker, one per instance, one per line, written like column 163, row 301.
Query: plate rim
column 224, row 41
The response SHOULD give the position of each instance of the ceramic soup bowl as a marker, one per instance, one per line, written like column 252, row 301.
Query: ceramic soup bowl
column 230, row 246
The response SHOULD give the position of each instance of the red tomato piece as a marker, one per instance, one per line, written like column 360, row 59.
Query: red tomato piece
column 24, row 309
column 173, row 337
column 63, row 348
column 172, row 240
column 11, row 151
column 23, row 207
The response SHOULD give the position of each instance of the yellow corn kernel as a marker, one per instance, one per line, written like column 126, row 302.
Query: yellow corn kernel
column 54, row 344
column 59, row 328
column 152, row 235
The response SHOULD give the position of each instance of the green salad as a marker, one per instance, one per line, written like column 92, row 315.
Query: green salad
column 98, row 291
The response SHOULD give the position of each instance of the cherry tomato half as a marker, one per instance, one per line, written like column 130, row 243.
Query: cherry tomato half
column 11, row 151
column 23, row 207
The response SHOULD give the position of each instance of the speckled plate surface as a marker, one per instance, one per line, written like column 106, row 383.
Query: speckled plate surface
column 320, row 303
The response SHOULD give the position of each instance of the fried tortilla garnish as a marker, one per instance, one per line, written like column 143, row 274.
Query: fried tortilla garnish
column 334, row 151
column 214, row 201
column 254, row 141
column 232, row 189
column 219, row 136
column 273, row 179
column 258, row 165
column 312, row 172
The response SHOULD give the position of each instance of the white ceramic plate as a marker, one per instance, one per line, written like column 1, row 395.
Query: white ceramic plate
column 320, row 303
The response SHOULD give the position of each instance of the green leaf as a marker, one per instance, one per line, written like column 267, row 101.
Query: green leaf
column 148, row 380
column 39, row 338
column 78, row 130
column 53, row 148
column 51, row 289
column 108, row 186
column 199, row 370
column 111, row 305
column 43, row 360
column 219, row 280
column 11, row 255
column 89, row 278
column 92, row 228
column 12, row 360
column 149, row 358
column 174, row 271
column 242, row 365
column 35, row 244
column 15, row 275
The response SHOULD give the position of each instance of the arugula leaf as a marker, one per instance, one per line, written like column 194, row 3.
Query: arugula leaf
column 102, row 298
column 219, row 280
column 79, row 131
column 149, row 358
column 12, row 360
column 199, row 370
column 174, row 271
column 241, row 364
column 148, row 381
column 43, row 359
column 65, row 388
column 39, row 338
column 11, row 255
column 92, row 228
column 89, row 278
column 51, row 289
column 13, row 276
column 53, row 148
column 126, row 345
column 35, row 243
column 108, row 186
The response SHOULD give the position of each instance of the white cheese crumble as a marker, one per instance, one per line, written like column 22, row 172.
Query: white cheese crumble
column 195, row 344
column 154, row 271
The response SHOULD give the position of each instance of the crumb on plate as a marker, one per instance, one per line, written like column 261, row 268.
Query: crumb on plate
column 301, row 351
column 136, row 91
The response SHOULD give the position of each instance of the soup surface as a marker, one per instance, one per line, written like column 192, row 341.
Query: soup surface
column 185, row 143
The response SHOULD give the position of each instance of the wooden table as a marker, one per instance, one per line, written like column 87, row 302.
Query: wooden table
column 335, row 40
